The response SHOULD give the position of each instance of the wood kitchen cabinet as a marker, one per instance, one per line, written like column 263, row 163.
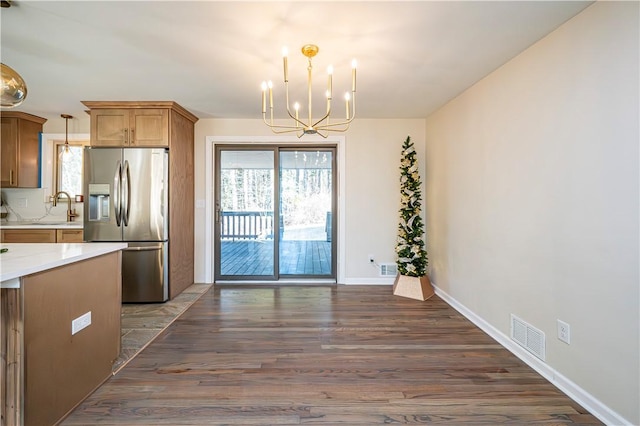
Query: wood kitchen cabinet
column 20, row 151
column 130, row 127
column 28, row 236
column 41, row 236
column 158, row 124
column 69, row 235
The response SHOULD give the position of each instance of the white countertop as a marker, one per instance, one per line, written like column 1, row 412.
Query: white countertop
column 33, row 224
column 29, row 258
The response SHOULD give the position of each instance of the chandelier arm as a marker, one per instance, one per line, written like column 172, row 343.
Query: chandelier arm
column 286, row 88
column 271, row 114
column 323, row 118
column 290, row 130
column 353, row 95
column 342, row 123
column 264, row 118
column 276, row 126
column 279, row 126
column 327, row 129
column 330, row 125
column 295, row 119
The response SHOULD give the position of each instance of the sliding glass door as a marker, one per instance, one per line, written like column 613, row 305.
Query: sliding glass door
column 245, row 214
column 306, row 206
column 257, row 241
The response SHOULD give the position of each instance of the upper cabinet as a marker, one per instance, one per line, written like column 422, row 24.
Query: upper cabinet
column 20, row 152
column 136, row 123
column 145, row 127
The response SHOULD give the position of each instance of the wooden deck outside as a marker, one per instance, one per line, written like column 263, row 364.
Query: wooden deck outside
column 255, row 258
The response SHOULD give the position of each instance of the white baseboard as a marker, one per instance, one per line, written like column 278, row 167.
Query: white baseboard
column 369, row 281
column 572, row 390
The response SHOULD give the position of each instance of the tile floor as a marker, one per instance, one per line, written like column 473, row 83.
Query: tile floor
column 141, row 323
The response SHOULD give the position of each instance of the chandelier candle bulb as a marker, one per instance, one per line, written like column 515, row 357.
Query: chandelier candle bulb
column 346, row 98
column 328, row 102
column 296, row 106
column 264, row 97
column 285, row 53
column 354, row 63
column 270, row 94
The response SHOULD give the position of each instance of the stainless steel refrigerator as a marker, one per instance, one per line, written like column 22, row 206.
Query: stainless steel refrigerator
column 126, row 199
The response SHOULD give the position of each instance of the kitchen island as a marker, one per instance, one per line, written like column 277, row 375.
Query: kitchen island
column 60, row 308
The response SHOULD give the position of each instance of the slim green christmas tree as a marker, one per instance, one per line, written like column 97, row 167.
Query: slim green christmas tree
column 412, row 255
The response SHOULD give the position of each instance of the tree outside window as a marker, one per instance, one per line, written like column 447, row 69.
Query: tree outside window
column 69, row 169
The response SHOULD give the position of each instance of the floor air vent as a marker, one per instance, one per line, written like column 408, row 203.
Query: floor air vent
column 388, row 269
column 528, row 336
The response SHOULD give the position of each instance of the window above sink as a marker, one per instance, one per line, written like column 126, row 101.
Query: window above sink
column 67, row 176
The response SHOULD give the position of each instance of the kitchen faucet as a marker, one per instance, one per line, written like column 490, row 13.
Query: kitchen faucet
column 70, row 213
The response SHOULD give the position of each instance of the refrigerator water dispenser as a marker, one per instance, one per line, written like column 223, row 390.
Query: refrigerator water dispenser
column 99, row 201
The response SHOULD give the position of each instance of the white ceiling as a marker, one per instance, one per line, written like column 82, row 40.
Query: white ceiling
column 211, row 56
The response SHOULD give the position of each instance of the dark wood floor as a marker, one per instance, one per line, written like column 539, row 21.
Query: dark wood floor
column 351, row 355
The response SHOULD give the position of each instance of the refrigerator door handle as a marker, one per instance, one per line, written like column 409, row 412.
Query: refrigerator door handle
column 126, row 196
column 117, row 184
column 146, row 248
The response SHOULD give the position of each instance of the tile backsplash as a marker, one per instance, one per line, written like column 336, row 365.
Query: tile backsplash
column 32, row 204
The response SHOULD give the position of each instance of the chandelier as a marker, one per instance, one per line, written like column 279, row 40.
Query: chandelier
column 308, row 126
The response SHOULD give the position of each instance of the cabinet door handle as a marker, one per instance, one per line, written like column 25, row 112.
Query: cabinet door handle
column 11, row 177
column 133, row 139
column 126, row 136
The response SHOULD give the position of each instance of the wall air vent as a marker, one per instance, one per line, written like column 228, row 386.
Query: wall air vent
column 528, row 337
column 388, row 269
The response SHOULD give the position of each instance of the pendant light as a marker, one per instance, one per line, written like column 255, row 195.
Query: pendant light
column 66, row 151
column 14, row 89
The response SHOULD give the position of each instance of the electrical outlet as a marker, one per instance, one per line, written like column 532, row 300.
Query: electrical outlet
column 564, row 332
column 371, row 259
column 83, row 321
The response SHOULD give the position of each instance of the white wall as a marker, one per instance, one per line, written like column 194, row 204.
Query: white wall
column 77, row 125
column 371, row 187
column 533, row 194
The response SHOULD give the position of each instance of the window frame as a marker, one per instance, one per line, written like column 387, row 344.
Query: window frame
column 57, row 164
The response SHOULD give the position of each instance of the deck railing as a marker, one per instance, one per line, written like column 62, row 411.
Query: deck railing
column 246, row 225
